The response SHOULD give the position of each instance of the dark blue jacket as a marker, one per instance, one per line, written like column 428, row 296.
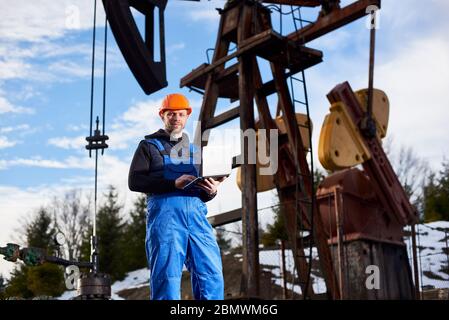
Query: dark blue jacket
column 146, row 172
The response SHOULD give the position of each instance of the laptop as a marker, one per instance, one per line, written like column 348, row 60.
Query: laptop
column 215, row 165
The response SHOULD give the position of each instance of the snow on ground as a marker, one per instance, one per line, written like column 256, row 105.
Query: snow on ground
column 133, row 279
column 67, row 295
column 431, row 239
column 273, row 259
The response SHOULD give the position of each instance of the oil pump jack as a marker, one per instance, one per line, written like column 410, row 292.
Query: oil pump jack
column 248, row 25
column 368, row 208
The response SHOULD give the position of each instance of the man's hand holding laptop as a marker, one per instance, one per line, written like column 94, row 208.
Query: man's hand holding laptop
column 215, row 169
column 208, row 184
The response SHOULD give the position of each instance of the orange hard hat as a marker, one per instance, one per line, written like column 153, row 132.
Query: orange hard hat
column 175, row 101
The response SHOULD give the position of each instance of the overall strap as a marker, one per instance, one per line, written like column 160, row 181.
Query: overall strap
column 158, row 145
column 192, row 150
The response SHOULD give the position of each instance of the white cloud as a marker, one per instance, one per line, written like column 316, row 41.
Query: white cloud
column 6, row 106
column 14, row 128
column 45, row 19
column 140, row 119
column 202, row 12
column 32, row 50
column 13, row 69
column 209, row 14
column 337, row 41
column 413, row 16
column 67, row 67
column 141, row 111
column 68, row 142
column 68, row 163
column 48, row 61
column 20, row 130
column 15, row 204
column 26, row 93
column 175, row 47
column 6, row 143
column 111, row 171
column 414, row 83
column 80, row 67
column 52, row 49
column 411, row 67
column 74, row 127
column 417, row 86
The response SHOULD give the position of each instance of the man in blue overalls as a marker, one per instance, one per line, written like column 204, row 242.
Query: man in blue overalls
column 178, row 231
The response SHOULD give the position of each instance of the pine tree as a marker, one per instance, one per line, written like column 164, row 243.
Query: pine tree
column 18, row 283
column 46, row 280
column 40, row 232
column 2, row 287
column 223, row 242
column 431, row 211
column 84, row 250
column 275, row 231
column 27, row 282
column 133, row 246
column 110, row 231
column 436, row 195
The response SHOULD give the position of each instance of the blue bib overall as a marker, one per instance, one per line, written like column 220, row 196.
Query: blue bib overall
column 179, row 233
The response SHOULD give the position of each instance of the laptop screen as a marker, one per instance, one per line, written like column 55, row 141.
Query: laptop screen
column 217, row 160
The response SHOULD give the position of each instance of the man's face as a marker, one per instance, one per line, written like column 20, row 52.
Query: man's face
column 174, row 120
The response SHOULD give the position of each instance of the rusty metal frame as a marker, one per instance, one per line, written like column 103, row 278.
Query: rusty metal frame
column 335, row 19
column 139, row 52
column 234, row 25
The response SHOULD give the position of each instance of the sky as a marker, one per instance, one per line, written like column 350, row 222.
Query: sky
column 45, row 69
